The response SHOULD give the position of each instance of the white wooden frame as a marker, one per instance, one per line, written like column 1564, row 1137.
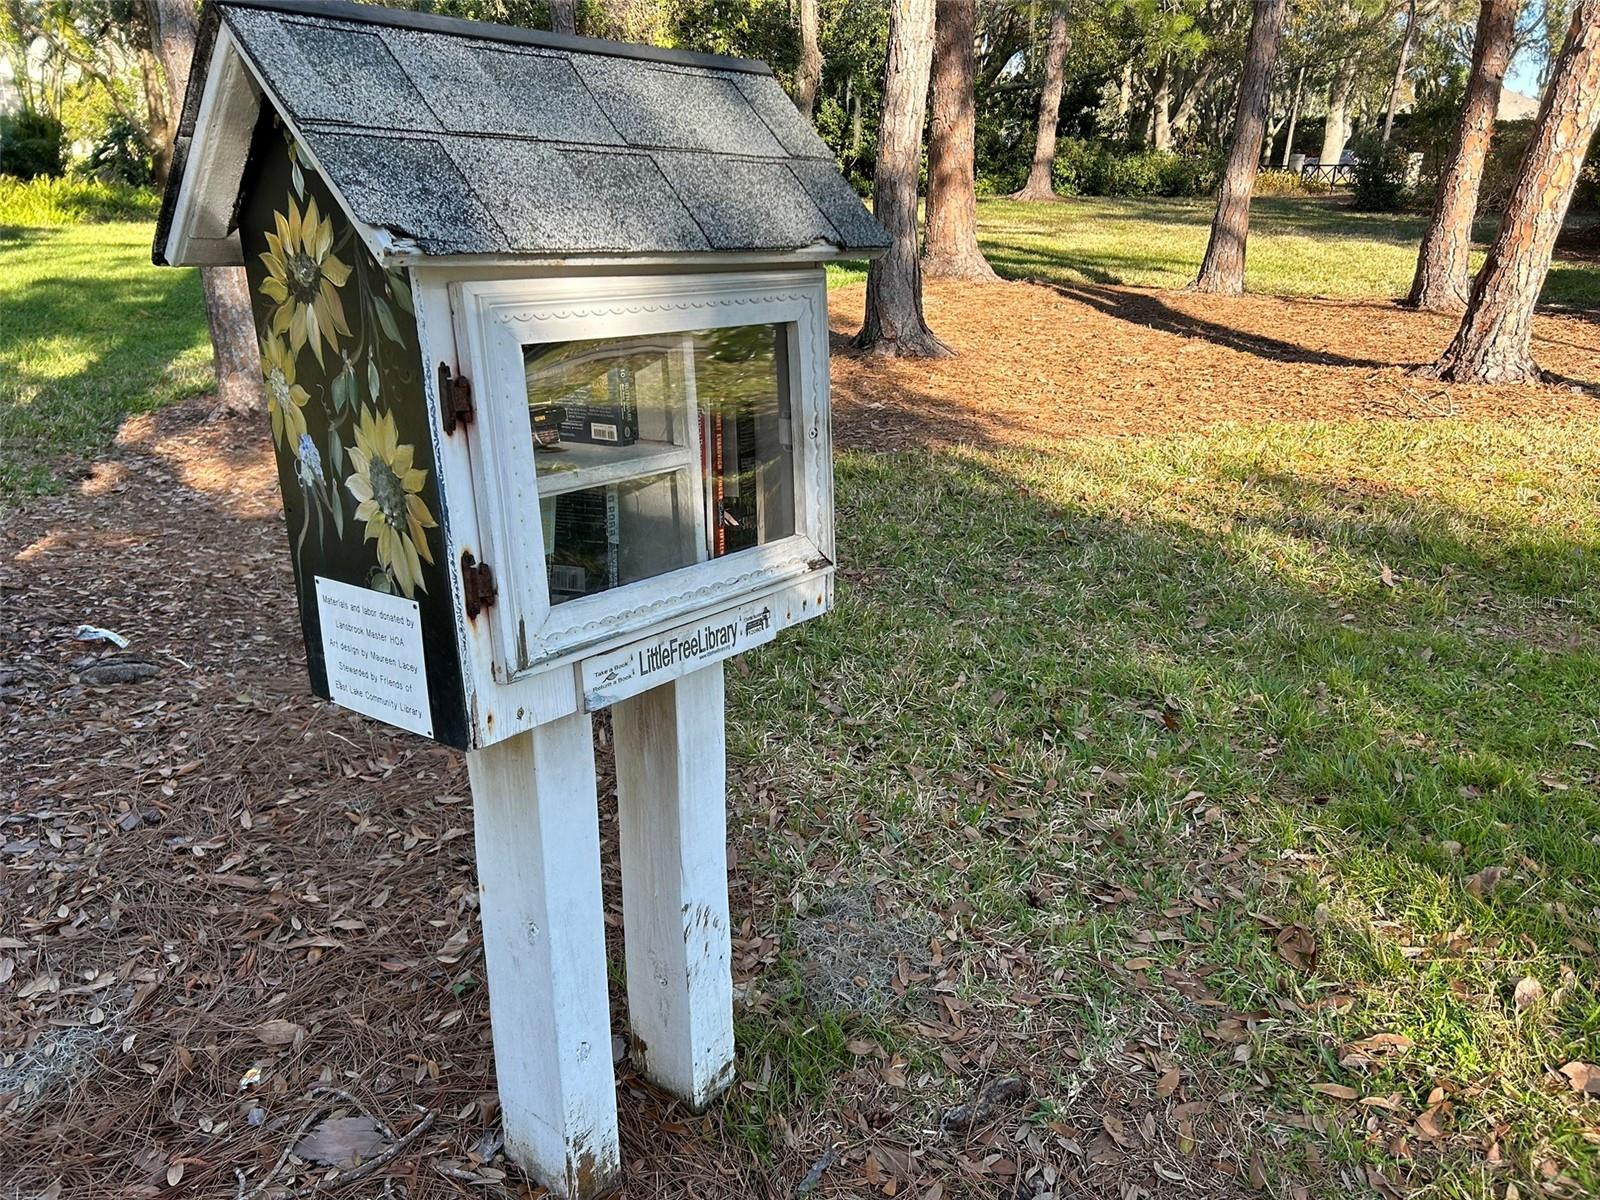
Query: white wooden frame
column 494, row 320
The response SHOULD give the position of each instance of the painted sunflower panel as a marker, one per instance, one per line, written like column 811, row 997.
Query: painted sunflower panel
column 342, row 373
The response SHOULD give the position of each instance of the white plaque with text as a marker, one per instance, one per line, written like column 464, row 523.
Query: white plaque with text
column 372, row 644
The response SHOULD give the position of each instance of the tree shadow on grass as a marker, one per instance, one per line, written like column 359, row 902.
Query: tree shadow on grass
column 78, row 356
column 1152, row 312
column 992, row 601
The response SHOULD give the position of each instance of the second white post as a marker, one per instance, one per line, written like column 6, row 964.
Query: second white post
column 671, row 803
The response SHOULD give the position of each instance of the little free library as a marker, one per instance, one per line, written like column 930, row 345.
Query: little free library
column 543, row 332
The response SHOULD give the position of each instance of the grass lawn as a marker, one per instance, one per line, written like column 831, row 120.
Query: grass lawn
column 1298, row 247
column 90, row 331
column 1244, row 783
column 1063, row 686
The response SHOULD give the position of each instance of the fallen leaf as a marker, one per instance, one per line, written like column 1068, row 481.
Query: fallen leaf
column 1583, row 1077
column 174, row 1174
column 1485, row 881
column 455, row 945
column 1337, row 1090
column 1168, row 1083
column 1529, row 992
column 1258, row 1172
column 1297, row 946
column 278, row 1032
column 341, row 1142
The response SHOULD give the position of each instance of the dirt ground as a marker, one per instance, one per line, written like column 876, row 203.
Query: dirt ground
column 217, row 895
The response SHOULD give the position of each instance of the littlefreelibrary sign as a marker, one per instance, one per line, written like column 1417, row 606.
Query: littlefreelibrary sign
column 543, row 329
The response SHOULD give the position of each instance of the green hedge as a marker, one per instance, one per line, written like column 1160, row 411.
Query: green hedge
column 45, row 201
column 1085, row 168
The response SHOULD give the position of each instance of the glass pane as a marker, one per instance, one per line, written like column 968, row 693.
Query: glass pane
column 657, row 452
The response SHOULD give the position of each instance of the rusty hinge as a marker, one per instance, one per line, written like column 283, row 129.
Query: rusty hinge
column 477, row 584
column 455, row 398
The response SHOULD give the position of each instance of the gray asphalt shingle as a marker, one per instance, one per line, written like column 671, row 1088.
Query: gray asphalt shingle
column 411, row 186
column 526, row 145
column 479, row 87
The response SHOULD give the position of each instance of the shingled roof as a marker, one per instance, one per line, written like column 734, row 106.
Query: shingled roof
column 462, row 138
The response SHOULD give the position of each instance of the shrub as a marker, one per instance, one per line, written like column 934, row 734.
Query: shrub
column 1182, row 175
column 1288, row 183
column 30, row 144
column 45, row 201
column 121, row 154
column 1085, row 168
column 1379, row 179
column 1080, row 167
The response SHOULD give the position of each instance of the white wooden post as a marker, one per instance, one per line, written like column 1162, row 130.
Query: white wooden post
column 538, row 843
column 671, row 796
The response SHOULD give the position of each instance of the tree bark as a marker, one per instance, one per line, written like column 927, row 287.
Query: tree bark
column 1443, row 276
column 236, row 357
column 1494, row 343
column 951, row 247
column 1041, row 179
column 1337, row 128
column 856, row 134
column 894, row 321
column 808, row 79
column 153, row 87
column 1400, row 70
column 564, row 16
column 1294, row 114
column 1124, row 98
column 1222, row 269
column 1161, row 108
column 1191, row 98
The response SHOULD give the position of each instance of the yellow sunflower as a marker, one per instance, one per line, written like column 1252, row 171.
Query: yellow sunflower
column 385, row 484
column 285, row 397
column 303, row 278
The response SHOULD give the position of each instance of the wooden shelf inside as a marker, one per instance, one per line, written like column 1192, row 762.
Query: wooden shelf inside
column 579, row 465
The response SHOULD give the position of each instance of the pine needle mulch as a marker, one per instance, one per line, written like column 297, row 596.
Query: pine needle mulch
column 1035, row 362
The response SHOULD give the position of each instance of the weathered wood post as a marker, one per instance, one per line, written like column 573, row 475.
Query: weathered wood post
column 537, row 826
column 670, row 805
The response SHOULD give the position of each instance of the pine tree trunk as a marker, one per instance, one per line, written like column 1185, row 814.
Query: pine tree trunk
column 1337, row 128
column 1161, row 108
column 951, row 248
column 1041, row 179
column 1494, row 343
column 808, row 79
column 1222, row 269
column 1400, row 71
column 1294, row 115
column 894, row 322
column 1443, row 274
column 564, row 16
column 226, row 294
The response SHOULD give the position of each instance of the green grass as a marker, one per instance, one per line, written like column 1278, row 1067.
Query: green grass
column 66, row 201
column 90, row 331
column 1210, row 615
column 1298, row 247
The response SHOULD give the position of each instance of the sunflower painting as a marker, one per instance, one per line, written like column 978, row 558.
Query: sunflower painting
column 347, row 406
column 285, row 397
column 303, row 279
column 386, row 486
